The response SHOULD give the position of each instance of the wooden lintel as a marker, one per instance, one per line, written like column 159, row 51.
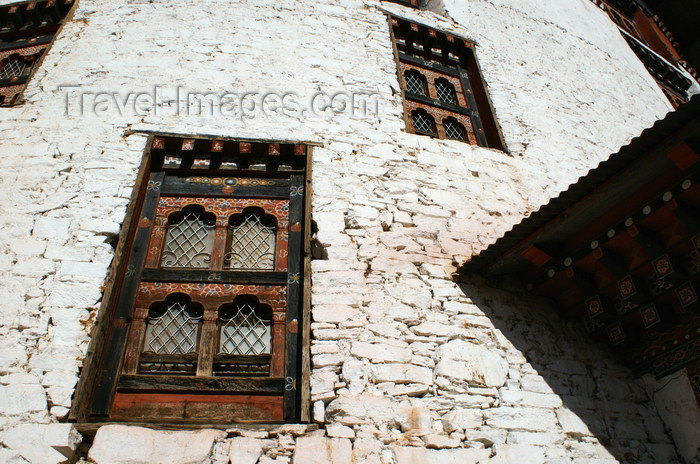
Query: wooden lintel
column 209, row 384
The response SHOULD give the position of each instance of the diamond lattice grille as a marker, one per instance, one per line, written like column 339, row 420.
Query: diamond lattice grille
column 175, row 332
column 445, row 92
column 252, row 245
column 422, row 122
column 188, row 243
column 414, row 83
column 245, row 333
column 13, row 68
column 454, row 130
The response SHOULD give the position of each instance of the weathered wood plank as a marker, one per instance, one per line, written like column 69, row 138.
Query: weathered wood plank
column 219, row 277
column 295, row 283
column 228, row 186
column 207, row 344
column 305, row 333
column 476, row 120
column 198, row 384
column 117, row 338
column 95, row 353
column 213, row 408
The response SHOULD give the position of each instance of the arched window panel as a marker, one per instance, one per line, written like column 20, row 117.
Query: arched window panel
column 245, row 328
column 171, row 338
column 189, row 239
column 15, row 67
column 423, row 122
column 445, row 91
column 245, row 338
column 252, row 241
column 416, row 83
column 454, row 130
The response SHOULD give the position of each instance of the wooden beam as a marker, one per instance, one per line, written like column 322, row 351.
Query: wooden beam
column 209, row 384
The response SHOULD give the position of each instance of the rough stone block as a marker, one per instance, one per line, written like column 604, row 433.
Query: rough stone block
column 333, row 313
column 43, row 443
column 120, row 444
column 340, row 431
column 378, row 409
column 380, row 352
column 516, row 418
column 462, row 419
column 518, row 454
column 321, row 450
column 472, row 363
column 541, row 400
column 19, row 399
column 402, row 373
column 8, row 456
column 52, row 228
column 245, row 450
column 415, row 455
column 438, row 441
column 535, row 383
column 414, row 417
column 571, row 423
column 535, row 438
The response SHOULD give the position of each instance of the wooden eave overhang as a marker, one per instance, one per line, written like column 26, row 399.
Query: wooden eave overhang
column 620, row 248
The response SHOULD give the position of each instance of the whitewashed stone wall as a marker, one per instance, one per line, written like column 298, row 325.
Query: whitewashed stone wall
column 407, row 365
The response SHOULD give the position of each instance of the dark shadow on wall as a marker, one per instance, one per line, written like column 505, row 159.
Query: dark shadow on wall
column 612, row 404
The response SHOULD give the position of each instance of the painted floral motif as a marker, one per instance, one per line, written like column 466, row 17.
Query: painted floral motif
column 649, row 316
column 224, row 207
column 687, row 295
column 626, row 287
column 662, row 266
column 230, row 181
column 616, row 334
column 594, row 306
column 290, row 383
column 273, row 295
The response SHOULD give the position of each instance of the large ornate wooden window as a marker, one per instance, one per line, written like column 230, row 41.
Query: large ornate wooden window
column 444, row 94
column 26, row 31
column 206, row 325
column 653, row 45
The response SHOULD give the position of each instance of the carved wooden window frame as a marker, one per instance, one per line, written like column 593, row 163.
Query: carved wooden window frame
column 438, row 56
column 225, row 177
column 26, row 32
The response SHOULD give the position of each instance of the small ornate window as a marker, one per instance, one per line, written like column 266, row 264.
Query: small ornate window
column 14, row 68
column 415, row 83
column 171, row 337
column 189, row 239
column 422, row 122
column 445, row 91
column 442, row 83
column 206, row 323
column 253, row 238
column 454, row 130
column 245, row 328
column 26, row 31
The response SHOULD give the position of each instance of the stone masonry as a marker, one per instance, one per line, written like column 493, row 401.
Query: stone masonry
column 408, row 366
